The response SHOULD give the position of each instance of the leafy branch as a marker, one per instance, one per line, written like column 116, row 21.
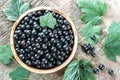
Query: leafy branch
column 19, row 74
column 13, row 12
column 91, row 33
column 91, row 12
column 6, row 56
column 15, row 9
column 111, row 43
column 76, row 71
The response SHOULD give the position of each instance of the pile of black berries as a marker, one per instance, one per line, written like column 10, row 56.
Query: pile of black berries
column 88, row 49
column 43, row 48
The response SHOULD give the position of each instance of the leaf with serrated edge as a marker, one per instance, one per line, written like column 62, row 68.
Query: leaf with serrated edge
column 15, row 9
column 24, row 8
column 47, row 20
column 5, row 54
column 111, row 42
column 87, row 74
column 75, row 72
column 90, row 30
column 72, row 72
column 87, row 63
column 111, row 46
column 95, row 21
column 114, row 28
column 19, row 74
column 92, row 9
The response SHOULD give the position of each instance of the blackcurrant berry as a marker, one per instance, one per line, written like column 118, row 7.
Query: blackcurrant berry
column 44, row 61
column 101, row 67
column 21, row 56
column 40, row 52
column 93, row 37
column 58, row 63
column 44, row 46
column 83, row 67
column 96, row 71
column 110, row 72
column 48, row 55
column 28, row 62
column 93, row 54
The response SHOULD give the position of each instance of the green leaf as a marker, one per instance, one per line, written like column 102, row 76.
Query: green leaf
column 95, row 20
column 75, row 72
column 47, row 20
column 24, row 8
column 5, row 54
column 92, row 9
column 112, row 42
column 72, row 72
column 19, row 74
column 86, row 63
column 111, row 46
column 90, row 30
column 15, row 9
column 114, row 28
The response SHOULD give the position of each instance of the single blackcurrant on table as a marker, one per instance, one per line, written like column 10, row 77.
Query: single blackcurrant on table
column 110, row 72
column 101, row 67
column 96, row 71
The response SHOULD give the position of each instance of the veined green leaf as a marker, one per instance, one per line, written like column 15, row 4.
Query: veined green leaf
column 112, row 42
column 72, row 72
column 89, row 30
column 5, row 54
column 114, row 28
column 24, row 8
column 47, row 20
column 19, row 74
column 15, row 9
column 111, row 46
column 92, row 9
column 75, row 72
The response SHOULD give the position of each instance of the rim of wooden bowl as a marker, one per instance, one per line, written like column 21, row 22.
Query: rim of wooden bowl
column 43, row 71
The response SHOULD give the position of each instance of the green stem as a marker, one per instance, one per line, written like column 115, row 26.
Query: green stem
column 82, row 40
column 101, row 44
column 106, row 21
column 15, row 62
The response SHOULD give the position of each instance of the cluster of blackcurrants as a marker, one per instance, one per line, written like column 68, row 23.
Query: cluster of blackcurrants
column 43, row 48
column 102, row 67
column 88, row 49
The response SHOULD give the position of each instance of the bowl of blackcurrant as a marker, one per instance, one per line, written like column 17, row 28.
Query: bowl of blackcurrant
column 42, row 49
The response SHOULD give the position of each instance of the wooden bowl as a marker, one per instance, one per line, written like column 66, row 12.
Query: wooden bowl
column 43, row 71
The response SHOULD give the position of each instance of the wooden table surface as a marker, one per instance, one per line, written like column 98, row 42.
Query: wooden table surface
column 70, row 8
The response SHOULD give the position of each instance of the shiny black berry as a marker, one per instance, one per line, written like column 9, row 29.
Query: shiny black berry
column 110, row 72
column 101, row 67
column 96, row 71
column 93, row 37
column 83, row 67
column 93, row 54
